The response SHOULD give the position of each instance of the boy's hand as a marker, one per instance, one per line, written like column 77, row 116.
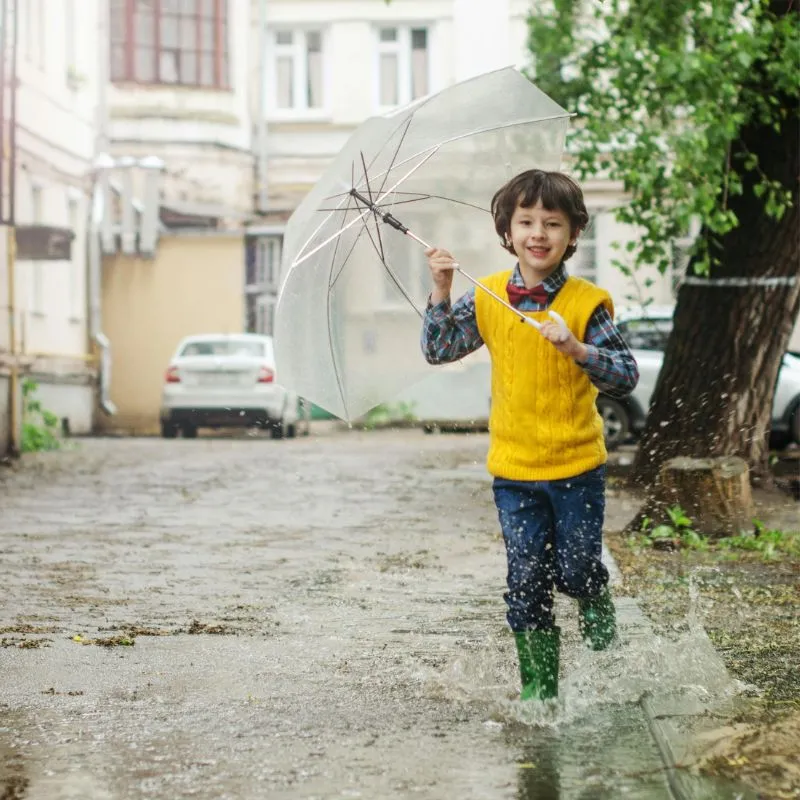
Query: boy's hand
column 441, row 264
column 557, row 332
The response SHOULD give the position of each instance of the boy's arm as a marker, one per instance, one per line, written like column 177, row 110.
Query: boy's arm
column 450, row 332
column 609, row 364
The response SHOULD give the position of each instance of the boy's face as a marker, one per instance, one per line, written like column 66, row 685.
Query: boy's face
column 540, row 238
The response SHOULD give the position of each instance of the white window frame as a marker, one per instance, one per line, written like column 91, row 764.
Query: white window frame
column 402, row 49
column 265, row 314
column 268, row 261
column 297, row 51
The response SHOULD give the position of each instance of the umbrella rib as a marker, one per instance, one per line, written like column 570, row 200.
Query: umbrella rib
column 466, row 135
column 361, row 216
column 382, row 256
column 396, row 154
column 379, row 246
column 418, row 197
column 345, row 199
column 366, row 176
column 331, row 284
column 430, row 152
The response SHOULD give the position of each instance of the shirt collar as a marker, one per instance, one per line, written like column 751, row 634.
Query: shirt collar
column 552, row 283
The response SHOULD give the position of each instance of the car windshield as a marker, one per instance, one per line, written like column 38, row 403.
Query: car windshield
column 646, row 334
column 224, row 347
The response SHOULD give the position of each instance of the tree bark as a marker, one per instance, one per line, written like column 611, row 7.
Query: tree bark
column 714, row 392
column 713, row 492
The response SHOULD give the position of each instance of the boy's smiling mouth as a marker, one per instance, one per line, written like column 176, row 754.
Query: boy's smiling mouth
column 537, row 251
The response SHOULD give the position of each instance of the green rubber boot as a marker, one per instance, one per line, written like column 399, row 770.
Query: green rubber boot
column 538, row 652
column 597, row 620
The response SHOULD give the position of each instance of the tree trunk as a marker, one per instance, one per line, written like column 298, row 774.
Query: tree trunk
column 713, row 492
column 714, row 392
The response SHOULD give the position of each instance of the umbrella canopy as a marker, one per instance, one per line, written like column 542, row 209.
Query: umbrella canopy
column 353, row 291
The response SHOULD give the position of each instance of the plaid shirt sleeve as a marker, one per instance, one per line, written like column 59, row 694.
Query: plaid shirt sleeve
column 450, row 332
column 611, row 366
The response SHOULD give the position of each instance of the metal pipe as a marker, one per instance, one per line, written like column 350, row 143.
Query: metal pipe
column 3, row 40
column 98, row 211
column 15, row 413
column 262, row 193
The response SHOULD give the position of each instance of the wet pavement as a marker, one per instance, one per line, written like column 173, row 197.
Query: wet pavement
column 310, row 618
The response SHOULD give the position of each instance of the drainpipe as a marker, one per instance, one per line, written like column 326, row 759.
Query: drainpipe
column 262, row 201
column 14, row 415
column 99, row 212
column 95, row 280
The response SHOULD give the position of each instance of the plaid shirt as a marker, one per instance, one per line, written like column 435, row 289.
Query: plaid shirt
column 450, row 332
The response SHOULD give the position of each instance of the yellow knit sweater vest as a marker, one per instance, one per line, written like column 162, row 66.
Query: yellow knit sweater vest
column 543, row 424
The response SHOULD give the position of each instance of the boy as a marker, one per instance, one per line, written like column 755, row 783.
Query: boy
column 546, row 448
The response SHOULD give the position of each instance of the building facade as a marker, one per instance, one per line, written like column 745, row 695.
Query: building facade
column 327, row 66
column 242, row 104
column 178, row 96
column 48, row 132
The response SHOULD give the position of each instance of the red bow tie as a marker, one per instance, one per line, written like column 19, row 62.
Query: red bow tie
column 516, row 294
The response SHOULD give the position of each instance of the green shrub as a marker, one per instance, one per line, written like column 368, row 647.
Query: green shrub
column 39, row 426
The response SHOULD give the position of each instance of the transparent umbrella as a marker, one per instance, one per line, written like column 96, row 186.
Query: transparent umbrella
column 354, row 275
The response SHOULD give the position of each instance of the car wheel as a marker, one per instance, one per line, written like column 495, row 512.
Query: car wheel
column 276, row 430
column 291, row 430
column 190, row 431
column 616, row 421
column 169, row 430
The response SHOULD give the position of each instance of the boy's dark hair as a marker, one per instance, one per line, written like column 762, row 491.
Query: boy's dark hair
column 557, row 191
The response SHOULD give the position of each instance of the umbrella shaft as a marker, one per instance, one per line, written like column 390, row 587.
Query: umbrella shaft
column 397, row 225
column 478, row 285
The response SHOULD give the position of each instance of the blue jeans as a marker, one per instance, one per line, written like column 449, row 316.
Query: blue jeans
column 553, row 533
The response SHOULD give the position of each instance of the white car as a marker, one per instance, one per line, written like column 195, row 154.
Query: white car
column 646, row 331
column 225, row 380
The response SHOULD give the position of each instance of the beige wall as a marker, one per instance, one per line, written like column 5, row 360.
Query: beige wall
column 194, row 285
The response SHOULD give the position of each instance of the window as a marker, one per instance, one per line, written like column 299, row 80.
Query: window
column 269, row 261
column 403, row 65
column 183, row 42
column 262, row 275
column 224, row 347
column 265, row 315
column 297, row 70
column 263, row 262
column 583, row 263
column 260, row 312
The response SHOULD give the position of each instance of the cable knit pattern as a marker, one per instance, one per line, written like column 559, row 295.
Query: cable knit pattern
column 544, row 424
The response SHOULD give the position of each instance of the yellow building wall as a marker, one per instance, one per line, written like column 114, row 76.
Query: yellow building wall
column 194, row 285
